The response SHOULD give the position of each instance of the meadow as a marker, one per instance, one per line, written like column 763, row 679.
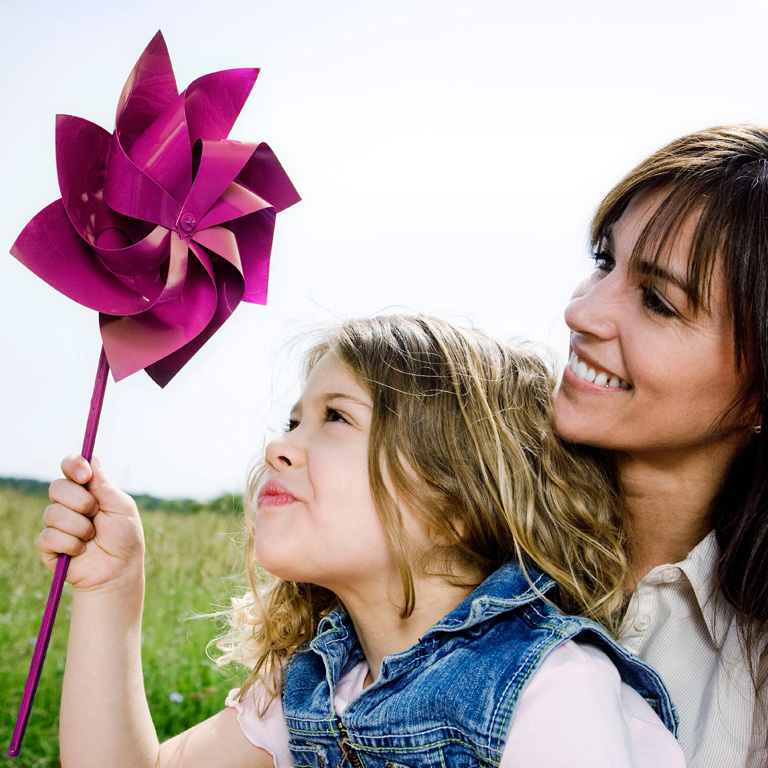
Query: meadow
column 193, row 565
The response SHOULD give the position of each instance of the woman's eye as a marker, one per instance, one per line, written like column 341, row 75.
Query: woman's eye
column 654, row 302
column 604, row 260
column 331, row 414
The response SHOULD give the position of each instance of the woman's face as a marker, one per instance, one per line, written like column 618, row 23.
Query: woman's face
column 647, row 375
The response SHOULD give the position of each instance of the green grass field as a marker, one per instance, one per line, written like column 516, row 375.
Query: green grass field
column 191, row 569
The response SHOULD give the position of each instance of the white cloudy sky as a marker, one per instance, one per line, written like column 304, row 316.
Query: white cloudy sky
column 449, row 155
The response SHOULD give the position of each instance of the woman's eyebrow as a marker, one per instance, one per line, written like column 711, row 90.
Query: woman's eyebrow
column 657, row 272
column 650, row 268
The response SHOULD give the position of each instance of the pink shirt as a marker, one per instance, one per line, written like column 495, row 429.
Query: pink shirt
column 575, row 712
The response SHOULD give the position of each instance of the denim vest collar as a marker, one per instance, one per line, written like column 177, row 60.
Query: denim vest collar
column 506, row 589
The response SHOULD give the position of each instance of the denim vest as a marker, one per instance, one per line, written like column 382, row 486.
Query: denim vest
column 449, row 700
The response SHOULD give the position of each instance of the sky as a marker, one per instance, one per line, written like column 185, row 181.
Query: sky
column 449, row 156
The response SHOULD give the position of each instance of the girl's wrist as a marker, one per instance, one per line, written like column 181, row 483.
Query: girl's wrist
column 111, row 615
column 128, row 586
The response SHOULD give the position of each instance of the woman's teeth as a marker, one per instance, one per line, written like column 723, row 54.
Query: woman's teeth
column 602, row 379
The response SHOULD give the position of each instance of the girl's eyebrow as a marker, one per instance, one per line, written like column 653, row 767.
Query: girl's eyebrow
column 328, row 396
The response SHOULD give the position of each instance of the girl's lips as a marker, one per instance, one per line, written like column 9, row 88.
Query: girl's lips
column 274, row 494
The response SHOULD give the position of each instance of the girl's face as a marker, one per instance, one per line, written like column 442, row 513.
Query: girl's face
column 316, row 519
column 646, row 375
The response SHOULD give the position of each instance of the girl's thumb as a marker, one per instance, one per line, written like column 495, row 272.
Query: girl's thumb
column 109, row 496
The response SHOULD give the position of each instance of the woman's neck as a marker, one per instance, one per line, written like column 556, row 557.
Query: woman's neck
column 380, row 629
column 669, row 502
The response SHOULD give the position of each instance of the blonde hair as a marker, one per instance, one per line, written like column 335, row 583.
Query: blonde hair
column 461, row 429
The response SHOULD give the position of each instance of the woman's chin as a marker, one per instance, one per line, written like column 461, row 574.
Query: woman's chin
column 571, row 425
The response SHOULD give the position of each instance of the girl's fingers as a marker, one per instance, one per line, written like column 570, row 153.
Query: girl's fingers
column 97, row 493
column 55, row 542
column 70, row 494
column 69, row 521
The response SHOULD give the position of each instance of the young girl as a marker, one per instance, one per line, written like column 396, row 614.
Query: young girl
column 419, row 520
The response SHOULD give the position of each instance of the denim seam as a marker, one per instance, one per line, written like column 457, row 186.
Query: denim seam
column 334, row 629
column 530, row 664
column 311, row 732
column 422, row 747
column 601, row 632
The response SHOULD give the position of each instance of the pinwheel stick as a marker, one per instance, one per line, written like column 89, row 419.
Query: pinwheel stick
column 59, row 576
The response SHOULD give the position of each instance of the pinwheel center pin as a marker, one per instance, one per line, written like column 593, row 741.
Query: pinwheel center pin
column 187, row 222
column 108, row 242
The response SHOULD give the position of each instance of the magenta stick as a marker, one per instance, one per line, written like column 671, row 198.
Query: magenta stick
column 59, row 576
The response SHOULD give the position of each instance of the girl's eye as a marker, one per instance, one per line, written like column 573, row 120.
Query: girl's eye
column 331, row 414
column 604, row 260
column 656, row 304
column 290, row 425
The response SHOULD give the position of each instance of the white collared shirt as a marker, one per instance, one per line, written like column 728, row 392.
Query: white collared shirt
column 680, row 623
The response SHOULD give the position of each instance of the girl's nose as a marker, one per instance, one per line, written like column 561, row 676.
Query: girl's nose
column 595, row 307
column 283, row 452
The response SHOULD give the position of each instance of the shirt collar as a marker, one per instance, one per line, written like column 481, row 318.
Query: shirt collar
column 700, row 568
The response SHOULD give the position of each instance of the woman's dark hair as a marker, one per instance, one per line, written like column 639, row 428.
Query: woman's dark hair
column 718, row 179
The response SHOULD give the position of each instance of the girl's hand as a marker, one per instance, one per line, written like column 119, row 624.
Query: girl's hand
column 97, row 524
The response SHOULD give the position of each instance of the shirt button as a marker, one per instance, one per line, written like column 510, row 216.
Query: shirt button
column 642, row 622
column 671, row 574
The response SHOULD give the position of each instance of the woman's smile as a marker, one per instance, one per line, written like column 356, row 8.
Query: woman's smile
column 585, row 371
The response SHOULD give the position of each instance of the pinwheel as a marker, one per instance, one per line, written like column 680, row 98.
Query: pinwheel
column 164, row 226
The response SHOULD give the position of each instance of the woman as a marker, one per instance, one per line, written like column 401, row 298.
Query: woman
column 668, row 375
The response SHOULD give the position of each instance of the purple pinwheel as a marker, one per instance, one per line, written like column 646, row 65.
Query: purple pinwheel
column 163, row 227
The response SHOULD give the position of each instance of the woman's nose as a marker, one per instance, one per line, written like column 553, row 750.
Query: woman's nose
column 283, row 452
column 595, row 307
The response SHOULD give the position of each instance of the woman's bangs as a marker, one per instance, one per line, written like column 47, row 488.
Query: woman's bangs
column 680, row 205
